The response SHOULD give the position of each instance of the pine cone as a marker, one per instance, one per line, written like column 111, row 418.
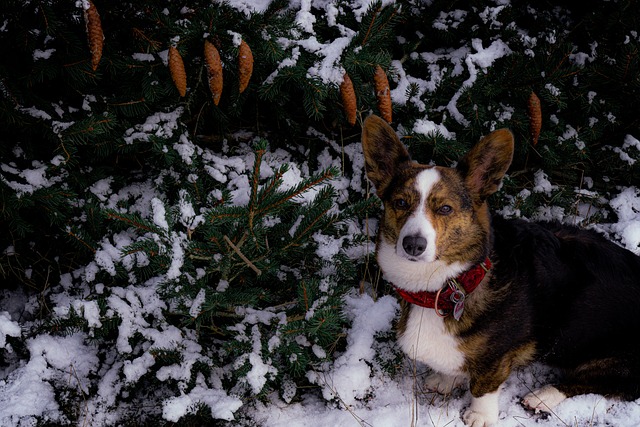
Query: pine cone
column 349, row 102
column 383, row 93
column 214, row 70
column 245, row 65
column 535, row 117
column 178, row 74
column 94, row 34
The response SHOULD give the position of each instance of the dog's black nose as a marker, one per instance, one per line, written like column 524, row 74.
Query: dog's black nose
column 414, row 245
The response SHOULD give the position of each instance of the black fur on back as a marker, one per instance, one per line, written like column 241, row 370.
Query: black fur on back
column 577, row 295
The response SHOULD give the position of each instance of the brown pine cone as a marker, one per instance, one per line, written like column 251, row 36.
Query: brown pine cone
column 214, row 70
column 245, row 65
column 178, row 74
column 535, row 118
column 349, row 102
column 94, row 34
column 383, row 93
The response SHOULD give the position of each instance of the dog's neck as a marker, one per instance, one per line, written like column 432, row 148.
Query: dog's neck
column 450, row 298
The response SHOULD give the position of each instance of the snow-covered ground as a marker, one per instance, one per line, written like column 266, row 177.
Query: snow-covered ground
column 401, row 400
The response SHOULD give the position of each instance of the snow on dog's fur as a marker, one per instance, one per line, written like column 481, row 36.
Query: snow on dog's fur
column 554, row 293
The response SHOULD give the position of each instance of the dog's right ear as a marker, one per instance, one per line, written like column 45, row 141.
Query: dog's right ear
column 383, row 152
column 486, row 163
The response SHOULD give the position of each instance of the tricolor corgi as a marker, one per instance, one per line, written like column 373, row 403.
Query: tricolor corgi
column 485, row 295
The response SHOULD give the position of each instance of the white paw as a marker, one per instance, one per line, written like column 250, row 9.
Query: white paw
column 443, row 384
column 544, row 399
column 476, row 419
column 483, row 411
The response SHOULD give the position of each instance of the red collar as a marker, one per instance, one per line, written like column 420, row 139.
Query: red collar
column 449, row 299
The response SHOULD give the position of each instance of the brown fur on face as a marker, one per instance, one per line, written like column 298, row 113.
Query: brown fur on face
column 404, row 188
column 463, row 234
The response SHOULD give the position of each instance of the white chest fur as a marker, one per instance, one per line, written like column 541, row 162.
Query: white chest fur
column 426, row 340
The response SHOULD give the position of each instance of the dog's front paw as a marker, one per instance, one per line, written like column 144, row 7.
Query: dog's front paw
column 483, row 411
column 544, row 399
column 443, row 384
column 478, row 419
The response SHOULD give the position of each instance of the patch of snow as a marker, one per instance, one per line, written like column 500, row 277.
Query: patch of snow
column 221, row 404
column 627, row 206
column 8, row 328
column 476, row 62
column 349, row 378
column 541, row 183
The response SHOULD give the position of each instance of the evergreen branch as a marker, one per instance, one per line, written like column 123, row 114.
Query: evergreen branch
column 379, row 21
column 134, row 249
column 388, row 21
column 90, row 128
column 326, row 175
column 274, row 182
column 360, row 208
column 215, row 241
column 306, row 298
column 242, row 256
column 229, row 215
column 373, row 19
column 139, row 223
column 314, row 94
column 301, row 188
column 153, row 44
column 309, row 228
column 255, row 182
column 75, row 236
column 226, row 213
column 128, row 103
column 66, row 152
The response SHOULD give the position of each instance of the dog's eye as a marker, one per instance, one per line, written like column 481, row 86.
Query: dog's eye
column 444, row 210
column 401, row 204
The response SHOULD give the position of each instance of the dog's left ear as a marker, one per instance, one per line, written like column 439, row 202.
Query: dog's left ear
column 487, row 162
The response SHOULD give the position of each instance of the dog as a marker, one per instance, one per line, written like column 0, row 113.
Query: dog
column 483, row 295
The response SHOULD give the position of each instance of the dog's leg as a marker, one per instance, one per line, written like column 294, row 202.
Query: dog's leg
column 485, row 391
column 485, row 383
column 614, row 376
column 444, row 384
